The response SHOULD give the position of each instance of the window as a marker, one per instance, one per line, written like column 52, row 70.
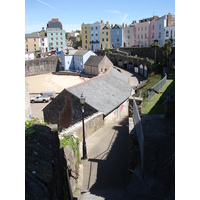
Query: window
column 26, row 40
column 51, row 34
column 56, row 33
column 152, row 35
column 86, row 37
column 34, row 45
column 145, row 35
column 60, row 33
column 167, row 33
column 106, row 39
column 85, row 32
column 145, row 28
column 34, row 39
column 92, row 28
column 56, row 43
column 117, row 39
column 56, row 38
column 141, row 36
column 106, row 33
column 153, row 27
column 138, row 28
column 61, row 38
column 52, row 39
column 102, row 33
column 138, row 36
column 102, row 39
column 96, row 28
column 117, row 32
column 128, row 37
column 142, row 29
column 51, row 44
column 61, row 43
column 128, row 31
column 96, row 34
column 159, row 26
column 159, row 35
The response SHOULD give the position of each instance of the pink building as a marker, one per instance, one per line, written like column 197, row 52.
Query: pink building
column 152, row 30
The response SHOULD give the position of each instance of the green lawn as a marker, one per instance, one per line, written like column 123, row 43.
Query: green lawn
column 156, row 104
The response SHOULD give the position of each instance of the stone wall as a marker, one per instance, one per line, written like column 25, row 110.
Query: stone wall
column 92, row 124
column 65, row 110
column 45, row 166
column 118, row 113
column 42, row 65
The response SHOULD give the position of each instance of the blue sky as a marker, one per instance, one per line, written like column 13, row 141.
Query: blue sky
column 73, row 13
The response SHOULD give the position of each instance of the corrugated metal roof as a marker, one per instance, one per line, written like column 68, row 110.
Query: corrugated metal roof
column 106, row 92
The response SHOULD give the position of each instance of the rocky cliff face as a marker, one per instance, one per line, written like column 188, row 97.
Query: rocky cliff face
column 45, row 166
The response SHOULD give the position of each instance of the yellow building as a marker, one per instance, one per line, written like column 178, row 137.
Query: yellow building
column 105, row 36
column 85, row 28
column 32, row 42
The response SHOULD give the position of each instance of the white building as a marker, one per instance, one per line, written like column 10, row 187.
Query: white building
column 170, row 34
column 128, row 36
column 43, row 44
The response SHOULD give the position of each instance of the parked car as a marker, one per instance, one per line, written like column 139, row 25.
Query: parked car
column 50, row 94
column 40, row 99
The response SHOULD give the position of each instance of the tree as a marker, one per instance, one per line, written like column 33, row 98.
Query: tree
column 155, row 46
column 167, row 49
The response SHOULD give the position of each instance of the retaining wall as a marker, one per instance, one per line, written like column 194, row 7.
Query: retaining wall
column 42, row 65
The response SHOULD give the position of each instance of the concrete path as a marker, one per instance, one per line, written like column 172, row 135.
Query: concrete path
column 105, row 173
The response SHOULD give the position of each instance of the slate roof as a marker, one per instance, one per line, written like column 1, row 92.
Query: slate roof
column 94, row 60
column 32, row 35
column 106, row 92
column 80, row 52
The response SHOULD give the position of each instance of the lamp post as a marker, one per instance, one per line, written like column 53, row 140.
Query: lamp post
column 82, row 101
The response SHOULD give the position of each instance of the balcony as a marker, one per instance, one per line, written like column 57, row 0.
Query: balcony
column 94, row 42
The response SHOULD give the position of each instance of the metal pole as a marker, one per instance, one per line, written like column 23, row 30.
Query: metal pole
column 84, row 142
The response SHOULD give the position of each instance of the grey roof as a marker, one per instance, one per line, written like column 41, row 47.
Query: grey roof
column 32, row 35
column 94, row 60
column 106, row 92
column 80, row 52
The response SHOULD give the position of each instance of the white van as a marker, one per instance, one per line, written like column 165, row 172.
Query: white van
column 50, row 94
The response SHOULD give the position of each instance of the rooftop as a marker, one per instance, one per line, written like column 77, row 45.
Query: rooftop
column 106, row 92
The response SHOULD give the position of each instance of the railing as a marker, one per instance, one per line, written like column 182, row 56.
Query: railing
column 139, row 132
column 157, row 87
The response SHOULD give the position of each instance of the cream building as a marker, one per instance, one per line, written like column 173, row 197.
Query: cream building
column 105, row 39
column 32, row 42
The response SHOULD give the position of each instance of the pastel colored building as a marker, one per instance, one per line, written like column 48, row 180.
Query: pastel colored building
column 32, row 42
column 142, row 32
column 162, row 23
column 116, row 36
column 80, row 57
column 152, row 30
column 105, row 36
column 85, row 28
column 95, row 35
column 128, row 36
column 55, row 35
column 170, row 34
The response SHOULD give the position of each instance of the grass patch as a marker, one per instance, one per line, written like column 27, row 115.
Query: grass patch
column 156, row 104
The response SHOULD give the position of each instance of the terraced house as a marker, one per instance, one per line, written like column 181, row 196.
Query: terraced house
column 116, row 36
column 85, row 36
column 95, row 35
column 105, row 36
column 55, row 35
column 32, row 42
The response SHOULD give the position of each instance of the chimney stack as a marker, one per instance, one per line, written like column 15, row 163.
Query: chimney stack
column 54, row 20
column 107, row 23
column 169, row 19
column 126, row 25
column 111, row 25
column 123, row 25
column 101, row 21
